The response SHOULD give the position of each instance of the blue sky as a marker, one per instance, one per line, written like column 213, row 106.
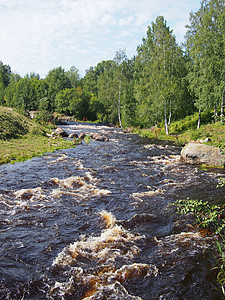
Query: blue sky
column 37, row 36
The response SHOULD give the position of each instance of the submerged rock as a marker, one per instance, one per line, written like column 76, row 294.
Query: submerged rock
column 196, row 153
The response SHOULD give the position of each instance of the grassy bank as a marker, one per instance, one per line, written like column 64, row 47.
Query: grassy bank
column 184, row 131
column 22, row 138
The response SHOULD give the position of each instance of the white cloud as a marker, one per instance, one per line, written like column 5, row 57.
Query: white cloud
column 40, row 35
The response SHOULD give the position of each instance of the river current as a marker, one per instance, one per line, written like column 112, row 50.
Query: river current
column 93, row 222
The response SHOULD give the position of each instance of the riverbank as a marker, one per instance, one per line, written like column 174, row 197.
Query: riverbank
column 21, row 138
column 15, row 150
column 212, row 134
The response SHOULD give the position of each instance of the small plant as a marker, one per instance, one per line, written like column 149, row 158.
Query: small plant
column 221, row 183
column 156, row 130
column 210, row 217
column 221, row 263
column 87, row 139
column 205, row 215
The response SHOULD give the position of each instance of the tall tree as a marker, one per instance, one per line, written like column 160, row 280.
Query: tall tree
column 74, row 76
column 11, row 89
column 120, row 59
column 205, row 45
column 107, row 86
column 92, row 75
column 25, row 97
column 159, row 75
column 129, row 106
column 5, row 73
column 57, row 81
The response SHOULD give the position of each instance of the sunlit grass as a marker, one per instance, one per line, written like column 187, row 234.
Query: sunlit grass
column 215, row 132
column 29, row 146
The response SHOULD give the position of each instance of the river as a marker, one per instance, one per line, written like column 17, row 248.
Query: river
column 93, row 222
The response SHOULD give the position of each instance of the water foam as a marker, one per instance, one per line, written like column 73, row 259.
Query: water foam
column 104, row 251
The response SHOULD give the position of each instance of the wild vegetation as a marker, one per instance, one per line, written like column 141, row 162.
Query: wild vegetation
column 210, row 218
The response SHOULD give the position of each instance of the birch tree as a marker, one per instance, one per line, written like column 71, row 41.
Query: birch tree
column 159, row 81
column 205, row 46
column 120, row 59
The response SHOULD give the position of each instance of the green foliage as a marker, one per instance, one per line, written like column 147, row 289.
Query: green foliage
column 194, row 135
column 96, row 109
column 56, row 81
column 74, row 77
column 43, row 117
column 190, row 122
column 160, row 71
column 205, row 46
column 12, row 124
column 221, row 182
column 205, row 214
column 73, row 101
column 5, row 73
column 221, row 263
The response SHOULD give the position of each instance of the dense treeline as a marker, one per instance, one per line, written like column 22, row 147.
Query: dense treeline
column 162, row 83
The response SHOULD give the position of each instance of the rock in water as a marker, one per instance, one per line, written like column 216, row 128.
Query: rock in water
column 196, row 153
column 82, row 136
column 59, row 131
column 73, row 136
column 101, row 138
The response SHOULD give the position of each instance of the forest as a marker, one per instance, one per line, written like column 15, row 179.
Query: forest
column 162, row 83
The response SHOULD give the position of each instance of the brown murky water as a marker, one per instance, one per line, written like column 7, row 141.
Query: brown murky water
column 93, row 222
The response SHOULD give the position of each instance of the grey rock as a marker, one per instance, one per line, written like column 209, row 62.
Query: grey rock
column 73, row 135
column 101, row 138
column 82, row 136
column 59, row 131
column 198, row 154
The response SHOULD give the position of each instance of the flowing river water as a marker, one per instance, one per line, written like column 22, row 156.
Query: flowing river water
column 93, row 222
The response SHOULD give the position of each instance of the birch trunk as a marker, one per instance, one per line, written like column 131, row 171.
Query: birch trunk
column 222, row 109
column 199, row 119
column 119, row 115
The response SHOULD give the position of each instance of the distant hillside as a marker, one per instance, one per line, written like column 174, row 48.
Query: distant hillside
column 15, row 125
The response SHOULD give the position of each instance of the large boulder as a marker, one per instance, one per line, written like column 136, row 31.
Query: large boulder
column 197, row 153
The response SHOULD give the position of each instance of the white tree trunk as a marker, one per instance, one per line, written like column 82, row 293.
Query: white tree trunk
column 167, row 124
column 222, row 109
column 119, row 114
column 199, row 119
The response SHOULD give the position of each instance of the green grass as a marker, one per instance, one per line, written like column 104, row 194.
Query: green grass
column 15, row 150
column 15, row 125
column 184, row 131
column 22, row 138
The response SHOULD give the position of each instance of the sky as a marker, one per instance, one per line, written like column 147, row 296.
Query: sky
column 37, row 36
